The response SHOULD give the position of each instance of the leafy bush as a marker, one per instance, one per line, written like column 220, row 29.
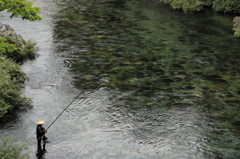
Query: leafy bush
column 11, row 79
column 6, row 47
column 11, row 76
column 13, row 50
column 185, row 5
column 16, row 49
column 236, row 32
column 226, row 5
column 11, row 149
column 196, row 5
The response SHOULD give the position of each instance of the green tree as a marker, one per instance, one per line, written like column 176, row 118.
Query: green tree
column 20, row 8
column 232, row 6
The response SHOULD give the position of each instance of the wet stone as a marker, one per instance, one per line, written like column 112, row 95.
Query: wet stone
column 7, row 31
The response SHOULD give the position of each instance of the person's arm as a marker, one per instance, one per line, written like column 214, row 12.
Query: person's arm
column 41, row 130
column 45, row 130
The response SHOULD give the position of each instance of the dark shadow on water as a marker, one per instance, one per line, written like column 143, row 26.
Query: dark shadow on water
column 40, row 153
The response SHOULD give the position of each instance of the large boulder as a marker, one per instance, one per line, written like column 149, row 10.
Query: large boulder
column 24, row 49
column 236, row 26
column 7, row 31
column 236, row 22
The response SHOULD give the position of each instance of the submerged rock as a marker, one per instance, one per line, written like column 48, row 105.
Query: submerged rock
column 236, row 123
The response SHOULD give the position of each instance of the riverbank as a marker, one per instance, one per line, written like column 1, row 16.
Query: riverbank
column 228, row 6
column 14, row 50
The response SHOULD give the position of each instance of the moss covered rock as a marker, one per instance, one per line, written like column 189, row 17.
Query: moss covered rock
column 236, row 26
column 14, row 46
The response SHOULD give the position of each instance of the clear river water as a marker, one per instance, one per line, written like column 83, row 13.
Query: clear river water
column 156, row 83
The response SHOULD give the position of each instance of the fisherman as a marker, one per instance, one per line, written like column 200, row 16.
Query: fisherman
column 40, row 131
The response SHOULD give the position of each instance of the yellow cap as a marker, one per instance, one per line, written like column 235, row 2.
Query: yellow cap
column 40, row 122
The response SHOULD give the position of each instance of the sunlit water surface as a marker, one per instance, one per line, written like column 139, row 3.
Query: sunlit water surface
column 168, row 86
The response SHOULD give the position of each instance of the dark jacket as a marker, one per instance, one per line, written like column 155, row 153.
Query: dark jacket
column 40, row 131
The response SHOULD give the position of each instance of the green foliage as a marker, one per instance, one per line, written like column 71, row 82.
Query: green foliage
column 20, row 8
column 16, row 49
column 11, row 76
column 11, row 149
column 11, row 79
column 185, row 5
column 197, row 5
column 207, row 2
column 226, row 5
column 6, row 47
column 236, row 32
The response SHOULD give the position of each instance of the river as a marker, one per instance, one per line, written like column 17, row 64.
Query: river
column 156, row 82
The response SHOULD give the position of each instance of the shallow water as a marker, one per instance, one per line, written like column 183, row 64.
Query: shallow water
column 157, row 83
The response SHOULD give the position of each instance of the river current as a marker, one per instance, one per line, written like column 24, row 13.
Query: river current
column 155, row 83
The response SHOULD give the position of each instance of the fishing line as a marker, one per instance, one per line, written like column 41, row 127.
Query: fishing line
column 69, row 105
column 70, row 102
column 65, row 109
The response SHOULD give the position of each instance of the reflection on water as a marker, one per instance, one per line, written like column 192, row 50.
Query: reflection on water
column 40, row 153
column 157, row 83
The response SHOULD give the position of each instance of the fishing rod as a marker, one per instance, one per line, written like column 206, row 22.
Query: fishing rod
column 68, row 106
column 65, row 109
